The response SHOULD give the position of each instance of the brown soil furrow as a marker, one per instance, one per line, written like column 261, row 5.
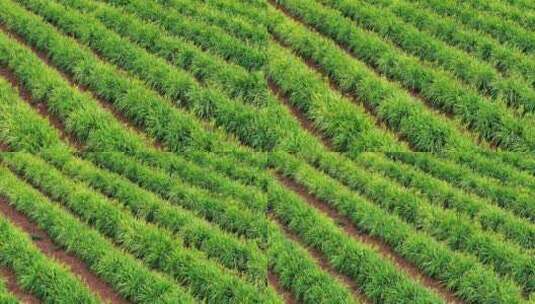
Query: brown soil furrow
column 273, row 281
column 323, row 263
column 377, row 244
column 47, row 246
column 4, row 147
column 448, row 115
column 305, row 122
column 104, row 104
column 14, row 288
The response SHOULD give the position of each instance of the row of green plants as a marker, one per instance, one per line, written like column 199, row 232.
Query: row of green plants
column 231, row 252
column 153, row 113
column 298, row 273
column 230, row 78
column 467, row 236
column 412, row 238
column 225, row 45
column 232, row 23
column 524, row 18
column 266, row 119
column 75, row 109
column 504, row 31
column 509, row 60
column 486, row 165
column 476, row 73
column 522, row 4
column 127, row 276
column 518, row 200
column 36, row 273
column 176, row 85
column 5, row 296
column 419, row 250
column 155, row 246
column 343, row 70
column 304, row 90
column 438, row 192
column 491, row 120
column 11, row 112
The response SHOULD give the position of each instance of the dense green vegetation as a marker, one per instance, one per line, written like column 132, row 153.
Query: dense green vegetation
column 264, row 151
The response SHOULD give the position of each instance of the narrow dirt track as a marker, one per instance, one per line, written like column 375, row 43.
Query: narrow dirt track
column 273, row 281
column 14, row 288
column 47, row 246
column 107, row 106
column 383, row 249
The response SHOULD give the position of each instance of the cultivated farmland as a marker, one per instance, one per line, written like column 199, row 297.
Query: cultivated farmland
column 264, row 151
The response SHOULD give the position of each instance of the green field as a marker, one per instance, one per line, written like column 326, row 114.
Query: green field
column 267, row 151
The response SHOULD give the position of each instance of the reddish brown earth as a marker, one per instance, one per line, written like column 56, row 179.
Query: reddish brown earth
column 378, row 245
column 47, row 246
column 14, row 288
column 273, row 281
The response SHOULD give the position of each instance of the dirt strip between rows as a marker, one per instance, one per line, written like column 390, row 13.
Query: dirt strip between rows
column 47, row 246
column 273, row 281
column 14, row 288
column 378, row 245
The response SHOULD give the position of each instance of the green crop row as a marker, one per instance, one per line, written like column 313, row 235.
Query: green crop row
column 35, row 272
column 232, row 215
column 280, row 196
column 154, row 246
column 232, row 23
column 307, row 91
column 156, row 115
column 503, row 30
column 11, row 112
column 227, row 250
column 178, row 86
column 458, row 231
column 80, row 114
column 304, row 87
column 518, row 200
column 524, row 18
column 347, row 126
column 297, row 272
column 418, row 247
column 495, row 167
column 491, row 120
column 5, row 296
column 481, row 75
column 162, row 81
column 132, row 280
column 212, row 38
column 232, row 79
column 506, row 59
column 443, row 194
column 289, row 261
